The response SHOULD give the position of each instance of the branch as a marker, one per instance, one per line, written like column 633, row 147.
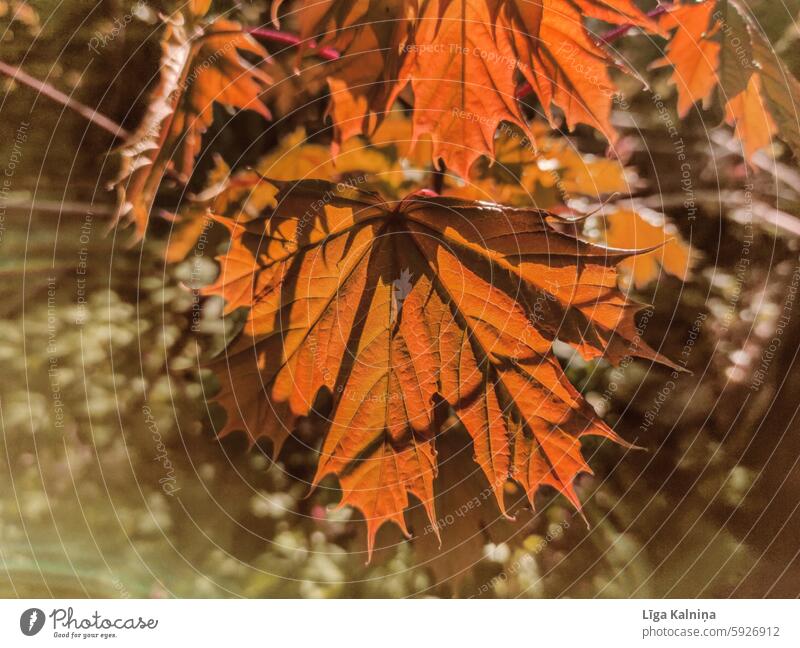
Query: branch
column 56, row 95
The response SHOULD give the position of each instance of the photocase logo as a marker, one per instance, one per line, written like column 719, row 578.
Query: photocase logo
column 401, row 288
column 31, row 621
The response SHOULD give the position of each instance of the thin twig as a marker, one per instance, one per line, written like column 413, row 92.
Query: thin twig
column 56, row 95
column 284, row 38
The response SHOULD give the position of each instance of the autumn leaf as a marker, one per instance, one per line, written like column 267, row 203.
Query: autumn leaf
column 692, row 53
column 399, row 311
column 714, row 45
column 779, row 90
column 199, row 67
column 369, row 36
column 748, row 113
column 564, row 64
column 462, row 62
column 462, row 71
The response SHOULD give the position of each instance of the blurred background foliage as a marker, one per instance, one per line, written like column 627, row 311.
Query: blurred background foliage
column 114, row 485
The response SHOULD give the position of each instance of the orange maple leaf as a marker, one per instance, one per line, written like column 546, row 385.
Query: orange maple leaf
column 563, row 63
column 748, row 113
column 463, row 61
column 700, row 40
column 692, row 52
column 399, row 311
column 462, row 69
column 369, row 35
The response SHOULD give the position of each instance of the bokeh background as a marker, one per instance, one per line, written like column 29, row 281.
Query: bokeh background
column 113, row 484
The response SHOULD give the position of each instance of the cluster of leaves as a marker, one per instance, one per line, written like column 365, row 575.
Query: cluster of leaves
column 380, row 315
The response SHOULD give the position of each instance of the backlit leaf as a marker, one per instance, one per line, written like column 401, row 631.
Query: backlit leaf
column 402, row 310
column 716, row 43
column 459, row 64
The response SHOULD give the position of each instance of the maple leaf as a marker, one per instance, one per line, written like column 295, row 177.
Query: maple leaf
column 489, row 290
column 748, row 113
column 369, row 35
column 199, row 67
column 693, row 55
column 462, row 71
column 562, row 62
column 714, row 45
column 462, row 61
